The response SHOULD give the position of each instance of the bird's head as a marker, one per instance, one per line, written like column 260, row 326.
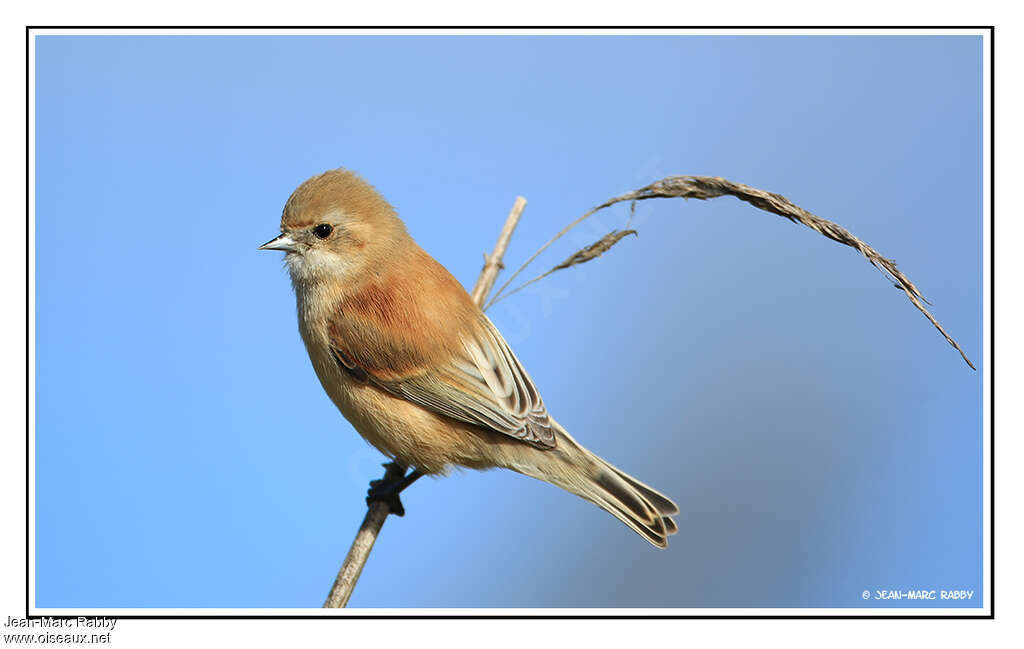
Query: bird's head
column 336, row 226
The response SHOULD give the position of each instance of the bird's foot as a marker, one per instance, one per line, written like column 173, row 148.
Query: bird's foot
column 387, row 489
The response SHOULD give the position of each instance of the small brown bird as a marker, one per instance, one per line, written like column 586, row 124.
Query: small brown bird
column 415, row 365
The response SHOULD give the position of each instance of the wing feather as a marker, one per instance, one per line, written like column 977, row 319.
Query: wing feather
column 482, row 384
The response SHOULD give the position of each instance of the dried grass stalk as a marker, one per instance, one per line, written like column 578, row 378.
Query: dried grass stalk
column 705, row 187
column 593, row 251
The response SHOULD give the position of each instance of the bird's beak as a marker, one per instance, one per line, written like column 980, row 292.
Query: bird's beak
column 283, row 242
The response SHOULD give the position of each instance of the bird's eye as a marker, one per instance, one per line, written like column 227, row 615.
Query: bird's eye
column 323, row 231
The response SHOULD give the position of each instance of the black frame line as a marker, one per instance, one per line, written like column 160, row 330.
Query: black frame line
column 991, row 333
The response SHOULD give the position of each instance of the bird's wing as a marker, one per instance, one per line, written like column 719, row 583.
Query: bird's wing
column 482, row 383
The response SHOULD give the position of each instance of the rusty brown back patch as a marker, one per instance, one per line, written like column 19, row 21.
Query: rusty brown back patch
column 405, row 321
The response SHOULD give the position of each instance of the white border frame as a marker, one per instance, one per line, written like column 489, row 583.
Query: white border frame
column 987, row 418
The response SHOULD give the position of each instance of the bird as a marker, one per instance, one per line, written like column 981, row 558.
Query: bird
column 418, row 369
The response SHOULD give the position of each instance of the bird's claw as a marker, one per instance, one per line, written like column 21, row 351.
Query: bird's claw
column 392, row 500
column 387, row 489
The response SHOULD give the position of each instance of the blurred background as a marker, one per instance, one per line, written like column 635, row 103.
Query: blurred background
column 820, row 437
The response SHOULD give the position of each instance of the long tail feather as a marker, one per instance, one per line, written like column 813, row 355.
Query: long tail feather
column 575, row 469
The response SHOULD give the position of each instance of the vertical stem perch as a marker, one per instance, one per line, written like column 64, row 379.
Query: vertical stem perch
column 493, row 265
column 357, row 555
column 378, row 511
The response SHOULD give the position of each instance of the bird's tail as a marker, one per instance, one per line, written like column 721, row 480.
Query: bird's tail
column 573, row 468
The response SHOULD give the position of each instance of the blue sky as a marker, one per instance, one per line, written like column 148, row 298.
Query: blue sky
column 820, row 437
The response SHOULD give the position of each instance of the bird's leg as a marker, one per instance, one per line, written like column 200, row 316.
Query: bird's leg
column 387, row 488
